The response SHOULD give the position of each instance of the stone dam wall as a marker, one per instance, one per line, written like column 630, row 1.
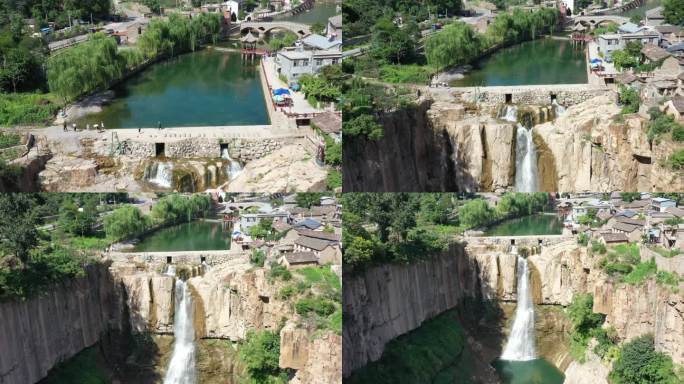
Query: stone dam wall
column 240, row 149
column 564, row 94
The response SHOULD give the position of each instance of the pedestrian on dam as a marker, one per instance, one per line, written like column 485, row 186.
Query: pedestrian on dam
column 159, row 125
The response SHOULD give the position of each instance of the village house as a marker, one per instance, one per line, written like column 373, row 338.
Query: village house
column 610, row 42
column 675, row 107
column 633, row 232
column 334, row 28
column 296, row 260
column 327, row 252
column 613, row 238
column 660, row 204
column 313, row 53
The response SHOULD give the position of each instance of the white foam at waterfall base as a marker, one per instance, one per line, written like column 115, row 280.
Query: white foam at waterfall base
column 525, row 160
column 170, row 270
column 181, row 369
column 521, row 345
column 162, row 175
column 234, row 167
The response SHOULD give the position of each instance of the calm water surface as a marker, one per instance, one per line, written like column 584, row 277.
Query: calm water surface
column 538, row 371
column 543, row 61
column 194, row 236
column 205, row 88
column 528, row 226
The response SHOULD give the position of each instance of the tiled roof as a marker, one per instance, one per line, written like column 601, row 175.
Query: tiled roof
column 300, row 257
column 312, row 243
column 624, row 227
column 319, row 234
column 614, row 237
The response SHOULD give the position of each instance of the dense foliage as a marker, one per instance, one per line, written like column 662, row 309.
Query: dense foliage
column 361, row 15
column 58, row 11
column 673, row 11
column 260, row 354
column 585, row 325
column 629, row 99
column 639, row 363
column 459, row 44
column 126, row 221
column 660, row 124
column 175, row 209
column 94, row 65
column 478, row 213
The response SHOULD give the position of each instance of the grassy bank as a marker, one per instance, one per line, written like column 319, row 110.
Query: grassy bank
column 27, row 108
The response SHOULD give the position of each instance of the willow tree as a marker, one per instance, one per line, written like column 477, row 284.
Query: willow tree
column 85, row 68
column 457, row 44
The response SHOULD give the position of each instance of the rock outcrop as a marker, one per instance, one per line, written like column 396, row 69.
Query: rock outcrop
column 40, row 332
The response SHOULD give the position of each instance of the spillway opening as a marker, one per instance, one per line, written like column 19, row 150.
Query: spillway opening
column 159, row 149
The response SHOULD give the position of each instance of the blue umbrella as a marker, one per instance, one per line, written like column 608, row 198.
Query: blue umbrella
column 595, row 61
column 281, row 91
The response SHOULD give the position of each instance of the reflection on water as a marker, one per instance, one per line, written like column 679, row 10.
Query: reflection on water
column 194, row 236
column 544, row 61
column 204, row 88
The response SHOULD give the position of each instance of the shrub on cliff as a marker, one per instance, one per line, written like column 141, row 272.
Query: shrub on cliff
column 260, row 353
column 639, row 363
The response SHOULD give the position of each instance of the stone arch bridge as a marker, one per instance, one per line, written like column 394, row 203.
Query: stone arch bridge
column 594, row 21
column 263, row 27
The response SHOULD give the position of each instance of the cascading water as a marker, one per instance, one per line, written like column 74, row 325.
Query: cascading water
column 234, row 167
column 182, row 366
column 559, row 109
column 161, row 174
column 525, row 153
column 525, row 160
column 520, row 345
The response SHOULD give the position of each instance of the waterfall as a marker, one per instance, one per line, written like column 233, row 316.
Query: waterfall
column 234, row 167
column 182, row 366
column 520, row 345
column 170, row 270
column 558, row 108
column 510, row 113
column 525, row 161
column 161, row 174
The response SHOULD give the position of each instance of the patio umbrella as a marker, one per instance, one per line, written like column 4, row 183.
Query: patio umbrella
column 281, row 91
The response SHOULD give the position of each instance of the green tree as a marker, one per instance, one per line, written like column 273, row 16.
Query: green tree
column 630, row 196
column 673, row 11
column 475, row 213
column 317, row 28
column 18, row 223
column 391, row 43
column 261, row 353
column 639, row 363
column 629, row 99
column 307, row 199
column 363, row 125
column 124, row 222
column 78, row 221
column 457, row 44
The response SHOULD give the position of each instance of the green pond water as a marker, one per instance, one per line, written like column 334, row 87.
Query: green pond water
column 543, row 61
column 538, row 371
column 204, row 88
column 320, row 13
column 193, row 236
column 527, row 226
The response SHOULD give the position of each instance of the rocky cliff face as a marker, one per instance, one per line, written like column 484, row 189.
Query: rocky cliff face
column 384, row 302
column 40, row 332
column 594, row 152
column 235, row 297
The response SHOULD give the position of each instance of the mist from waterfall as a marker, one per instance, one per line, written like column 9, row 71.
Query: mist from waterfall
column 182, row 369
column 525, row 160
column 234, row 167
column 160, row 174
column 521, row 344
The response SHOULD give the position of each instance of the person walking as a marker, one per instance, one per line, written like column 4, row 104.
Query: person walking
column 139, row 130
column 159, row 125
column 65, row 126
